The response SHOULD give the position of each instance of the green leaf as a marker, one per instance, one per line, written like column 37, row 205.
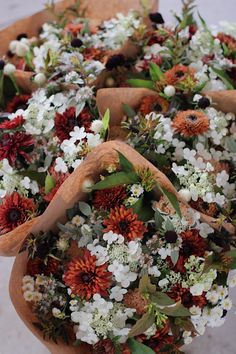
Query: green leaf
column 231, row 254
column 138, row 348
column 117, row 179
column 176, row 311
column 142, row 325
column 204, row 25
column 141, row 83
column 225, row 78
column 155, row 72
column 143, row 210
column 129, row 111
column 161, row 299
column 50, row 183
column 231, row 143
column 172, row 199
column 169, row 226
column 145, row 285
column 106, row 120
column 125, row 164
column 158, row 219
column 85, row 208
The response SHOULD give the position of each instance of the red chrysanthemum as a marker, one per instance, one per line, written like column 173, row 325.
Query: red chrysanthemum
column 12, row 124
column 65, row 122
column 192, row 244
column 109, row 198
column 178, row 74
column 104, row 346
column 13, row 146
column 17, row 102
column 37, row 266
column 14, row 211
column 86, row 278
column 123, row 221
column 229, row 41
column 153, row 103
column 191, row 123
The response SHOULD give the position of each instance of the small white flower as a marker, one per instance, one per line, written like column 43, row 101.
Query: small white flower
column 28, row 295
column 222, row 178
column 117, row 293
column 164, row 252
column 197, row 289
column 78, row 134
column 185, row 194
column 163, row 282
column 9, row 69
column 21, row 49
column 227, row 304
column 40, row 79
column 154, row 271
column 97, row 126
column 60, row 165
column 111, row 237
column 169, row 91
column 205, row 229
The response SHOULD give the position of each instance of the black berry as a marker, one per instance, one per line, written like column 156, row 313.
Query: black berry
column 2, row 64
column 76, row 43
column 171, row 236
column 156, row 17
column 204, row 102
column 21, row 35
column 114, row 61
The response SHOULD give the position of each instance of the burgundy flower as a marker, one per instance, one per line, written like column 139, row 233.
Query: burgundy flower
column 109, row 198
column 65, row 122
column 17, row 102
column 60, row 179
column 12, row 124
column 14, row 211
column 13, row 146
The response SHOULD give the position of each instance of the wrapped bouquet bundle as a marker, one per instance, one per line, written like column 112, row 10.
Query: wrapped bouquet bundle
column 118, row 263
column 39, row 46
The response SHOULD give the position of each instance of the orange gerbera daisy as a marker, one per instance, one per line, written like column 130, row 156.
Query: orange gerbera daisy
column 177, row 74
column 153, row 104
column 123, row 221
column 86, row 278
column 191, row 123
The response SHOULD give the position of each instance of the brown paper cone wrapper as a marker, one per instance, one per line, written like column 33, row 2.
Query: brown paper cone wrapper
column 224, row 101
column 68, row 194
column 96, row 11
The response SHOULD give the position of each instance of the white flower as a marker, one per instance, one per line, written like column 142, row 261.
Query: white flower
column 197, row 289
column 231, row 281
column 205, row 229
column 163, row 282
column 76, row 163
column 226, row 304
column 213, row 297
column 154, row 271
column 28, row 295
column 9, row 69
column 93, row 140
column 220, row 199
column 56, row 312
column 122, row 274
column 40, row 79
column 111, row 237
column 164, row 252
column 78, row 134
column 117, row 293
column 60, row 165
column 169, row 91
column 97, row 126
column 185, row 194
column 136, row 190
column 222, row 178
column 21, row 49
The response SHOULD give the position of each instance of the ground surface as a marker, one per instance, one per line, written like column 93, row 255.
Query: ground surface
column 14, row 337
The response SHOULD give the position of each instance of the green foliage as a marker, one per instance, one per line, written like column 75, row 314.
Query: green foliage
column 141, row 83
column 50, row 183
column 143, row 324
column 117, row 179
column 138, row 348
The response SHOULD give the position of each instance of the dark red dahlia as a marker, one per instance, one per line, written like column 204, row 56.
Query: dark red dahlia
column 12, row 124
column 109, row 198
column 65, row 122
column 17, row 145
column 17, row 102
column 178, row 293
column 14, row 211
column 192, row 244
column 37, row 266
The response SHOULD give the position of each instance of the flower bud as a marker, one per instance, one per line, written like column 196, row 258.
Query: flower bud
column 40, row 79
column 9, row 69
column 169, row 91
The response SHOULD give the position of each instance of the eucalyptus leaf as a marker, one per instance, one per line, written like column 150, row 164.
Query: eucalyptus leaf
column 117, row 179
column 129, row 111
column 231, row 143
column 174, row 256
column 85, row 208
column 168, row 225
column 176, row 311
column 79, row 108
column 142, row 325
column 138, row 348
column 158, row 219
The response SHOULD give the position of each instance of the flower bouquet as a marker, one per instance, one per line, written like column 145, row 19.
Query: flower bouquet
column 118, row 263
column 36, row 44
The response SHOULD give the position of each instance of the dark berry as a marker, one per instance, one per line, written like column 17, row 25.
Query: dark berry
column 156, row 17
column 21, row 35
column 10, row 54
column 114, row 61
column 2, row 64
column 204, row 102
column 76, row 43
column 171, row 236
